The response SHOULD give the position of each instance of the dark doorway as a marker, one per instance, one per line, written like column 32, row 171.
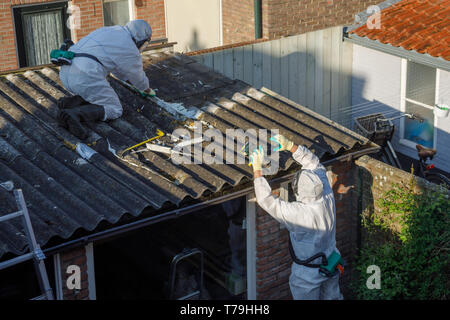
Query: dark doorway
column 137, row 266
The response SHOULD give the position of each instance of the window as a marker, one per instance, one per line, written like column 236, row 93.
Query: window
column 116, row 12
column 418, row 97
column 39, row 30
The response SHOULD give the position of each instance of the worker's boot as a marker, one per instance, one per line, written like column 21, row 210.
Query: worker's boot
column 70, row 102
column 71, row 118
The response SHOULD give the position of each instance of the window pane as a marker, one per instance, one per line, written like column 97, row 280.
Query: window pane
column 42, row 33
column 116, row 12
column 421, row 83
column 421, row 133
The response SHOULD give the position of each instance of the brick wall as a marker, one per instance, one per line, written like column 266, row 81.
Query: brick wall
column 377, row 177
column 343, row 177
column 91, row 16
column 238, row 21
column 273, row 262
column 8, row 55
column 290, row 17
column 76, row 257
column 152, row 11
column 281, row 18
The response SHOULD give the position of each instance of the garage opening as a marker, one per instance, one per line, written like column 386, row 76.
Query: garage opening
column 201, row 255
column 20, row 282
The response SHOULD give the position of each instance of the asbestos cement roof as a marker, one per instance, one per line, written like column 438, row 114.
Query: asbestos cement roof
column 68, row 195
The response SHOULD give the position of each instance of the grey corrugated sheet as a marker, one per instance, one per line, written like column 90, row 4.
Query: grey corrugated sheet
column 64, row 193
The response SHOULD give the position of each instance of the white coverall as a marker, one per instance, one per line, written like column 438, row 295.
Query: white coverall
column 312, row 228
column 118, row 53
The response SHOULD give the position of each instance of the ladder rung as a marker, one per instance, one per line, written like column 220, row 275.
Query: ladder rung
column 33, row 245
column 11, row 216
column 17, row 260
column 190, row 295
column 41, row 297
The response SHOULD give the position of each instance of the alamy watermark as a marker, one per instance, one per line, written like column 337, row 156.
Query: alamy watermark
column 74, row 280
column 74, row 20
column 374, row 20
column 374, row 281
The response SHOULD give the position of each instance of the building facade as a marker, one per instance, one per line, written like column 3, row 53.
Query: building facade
column 30, row 29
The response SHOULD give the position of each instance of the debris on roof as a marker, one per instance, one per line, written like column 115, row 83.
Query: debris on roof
column 71, row 185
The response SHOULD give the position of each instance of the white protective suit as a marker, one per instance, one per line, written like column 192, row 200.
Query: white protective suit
column 311, row 224
column 116, row 50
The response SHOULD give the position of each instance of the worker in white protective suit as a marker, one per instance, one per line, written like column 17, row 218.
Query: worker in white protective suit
column 116, row 50
column 311, row 221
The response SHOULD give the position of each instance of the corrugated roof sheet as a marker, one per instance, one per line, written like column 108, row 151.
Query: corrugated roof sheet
column 419, row 25
column 65, row 193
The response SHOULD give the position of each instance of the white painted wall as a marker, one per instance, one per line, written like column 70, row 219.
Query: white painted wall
column 194, row 24
column 376, row 87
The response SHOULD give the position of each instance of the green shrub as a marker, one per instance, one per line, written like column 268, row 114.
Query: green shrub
column 413, row 256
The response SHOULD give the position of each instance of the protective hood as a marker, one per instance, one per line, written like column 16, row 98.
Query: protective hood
column 140, row 30
column 309, row 187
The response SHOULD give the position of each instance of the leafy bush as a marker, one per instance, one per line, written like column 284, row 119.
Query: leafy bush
column 414, row 256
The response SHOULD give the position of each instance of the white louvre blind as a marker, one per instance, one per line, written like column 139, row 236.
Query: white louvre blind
column 419, row 99
column 42, row 32
column 116, row 12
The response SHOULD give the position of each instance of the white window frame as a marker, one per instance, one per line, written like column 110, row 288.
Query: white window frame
column 131, row 11
column 250, row 220
column 403, row 101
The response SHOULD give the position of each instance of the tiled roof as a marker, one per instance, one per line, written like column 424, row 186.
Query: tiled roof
column 68, row 196
column 419, row 25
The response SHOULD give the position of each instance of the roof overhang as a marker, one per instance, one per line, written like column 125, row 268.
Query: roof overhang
column 204, row 203
column 411, row 55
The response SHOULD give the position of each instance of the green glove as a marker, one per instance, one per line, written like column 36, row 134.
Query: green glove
column 257, row 158
column 284, row 143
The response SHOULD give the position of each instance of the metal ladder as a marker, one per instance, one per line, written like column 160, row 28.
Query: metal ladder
column 35, row 250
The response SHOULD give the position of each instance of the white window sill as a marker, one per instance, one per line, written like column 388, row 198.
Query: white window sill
column 409, row 143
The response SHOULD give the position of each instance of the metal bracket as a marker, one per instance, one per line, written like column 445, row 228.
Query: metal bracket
column 7, row 185
column 38, row 254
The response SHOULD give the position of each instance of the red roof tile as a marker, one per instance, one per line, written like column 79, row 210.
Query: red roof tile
column 419, row 25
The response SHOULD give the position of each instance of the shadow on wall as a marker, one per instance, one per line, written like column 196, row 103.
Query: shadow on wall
column 300, row 69
column 195, row 43
column 312, row 69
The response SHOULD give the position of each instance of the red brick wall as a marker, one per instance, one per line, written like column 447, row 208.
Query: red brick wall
column 343, row 175
column 152, row 11
column 8, row 59
column 238, row 21
column 76, row 257
column 91, row 15
column 91, row 18
column 273, row 262
column 282, row 18
column 8, row 55
column 290, row 17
